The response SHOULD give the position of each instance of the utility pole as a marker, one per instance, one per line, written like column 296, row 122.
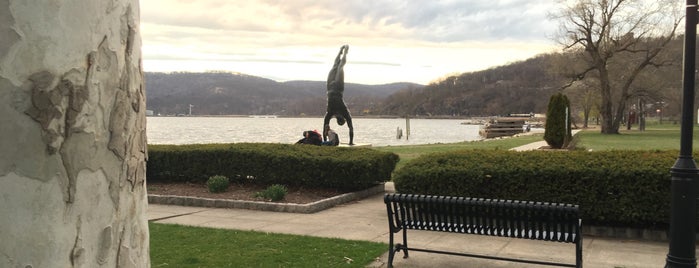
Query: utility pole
column 684, row 172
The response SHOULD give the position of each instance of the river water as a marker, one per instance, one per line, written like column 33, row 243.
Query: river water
column 374, row 131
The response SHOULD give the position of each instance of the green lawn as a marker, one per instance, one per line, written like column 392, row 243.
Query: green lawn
column 409, row 152
column 184, row 246
column 656, row 137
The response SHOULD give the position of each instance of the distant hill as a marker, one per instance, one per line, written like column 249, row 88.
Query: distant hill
column 220, row 93
column 520, row 87
column 526, row 86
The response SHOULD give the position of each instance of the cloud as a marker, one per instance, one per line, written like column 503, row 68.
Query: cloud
column 439, row 21
column 450, row 21
column 388, row 37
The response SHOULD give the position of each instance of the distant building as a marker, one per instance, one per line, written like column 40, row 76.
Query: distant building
column 149, row 112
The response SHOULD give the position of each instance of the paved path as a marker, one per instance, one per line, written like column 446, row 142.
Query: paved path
column 536, row 145
column 366, row 219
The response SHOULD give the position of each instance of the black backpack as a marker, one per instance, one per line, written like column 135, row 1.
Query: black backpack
column 310, row 137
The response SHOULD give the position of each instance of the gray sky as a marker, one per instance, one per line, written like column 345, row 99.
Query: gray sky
column 390, row 40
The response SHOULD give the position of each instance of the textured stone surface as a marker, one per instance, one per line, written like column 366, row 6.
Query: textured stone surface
column 72, row 156
column 9, row 35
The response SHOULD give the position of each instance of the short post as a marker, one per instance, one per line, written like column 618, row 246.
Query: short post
column 407, row 127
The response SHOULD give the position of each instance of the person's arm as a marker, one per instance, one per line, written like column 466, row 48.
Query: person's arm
column 351, row 130
column 326, row 122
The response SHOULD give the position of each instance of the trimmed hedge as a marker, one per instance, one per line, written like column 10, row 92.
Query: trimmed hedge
column 267, row 164
column 613, row 188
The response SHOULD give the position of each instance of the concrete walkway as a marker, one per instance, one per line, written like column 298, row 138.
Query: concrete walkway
column 536, row 145
column 366, row 219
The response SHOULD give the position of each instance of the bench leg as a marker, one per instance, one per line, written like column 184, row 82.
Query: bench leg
column 578, row 254
column 405, row 243
column 391, row 251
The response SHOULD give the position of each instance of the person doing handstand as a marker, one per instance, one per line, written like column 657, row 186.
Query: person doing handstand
column 336, row 87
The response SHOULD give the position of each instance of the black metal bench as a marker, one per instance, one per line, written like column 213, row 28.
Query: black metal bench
column 492, row 217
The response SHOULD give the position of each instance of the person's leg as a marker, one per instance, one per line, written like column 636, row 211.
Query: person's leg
column 339, row 62
column 340, row 73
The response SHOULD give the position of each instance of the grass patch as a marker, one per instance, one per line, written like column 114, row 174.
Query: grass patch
column 656, row 137
column 410, row 152
column 185, row 246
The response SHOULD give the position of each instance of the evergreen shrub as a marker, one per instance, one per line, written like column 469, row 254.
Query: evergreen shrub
column 556, row 132
column 217, row 184
column 613, row 188
column 266, row 164
column 273, row 193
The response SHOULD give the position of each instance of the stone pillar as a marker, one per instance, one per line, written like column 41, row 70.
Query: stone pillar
column 72, row 135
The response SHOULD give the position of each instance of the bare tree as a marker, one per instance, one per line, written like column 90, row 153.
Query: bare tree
column 617, row 40
column 585, row 96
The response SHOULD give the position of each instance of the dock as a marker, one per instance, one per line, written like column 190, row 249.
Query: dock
column 504, row 126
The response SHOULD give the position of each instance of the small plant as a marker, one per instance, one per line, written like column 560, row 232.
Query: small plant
column 217, row 183
column 274, row 193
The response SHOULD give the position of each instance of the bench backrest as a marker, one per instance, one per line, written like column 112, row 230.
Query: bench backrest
column 509, row 218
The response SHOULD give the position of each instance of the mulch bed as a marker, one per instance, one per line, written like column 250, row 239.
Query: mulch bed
column 245, row 192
